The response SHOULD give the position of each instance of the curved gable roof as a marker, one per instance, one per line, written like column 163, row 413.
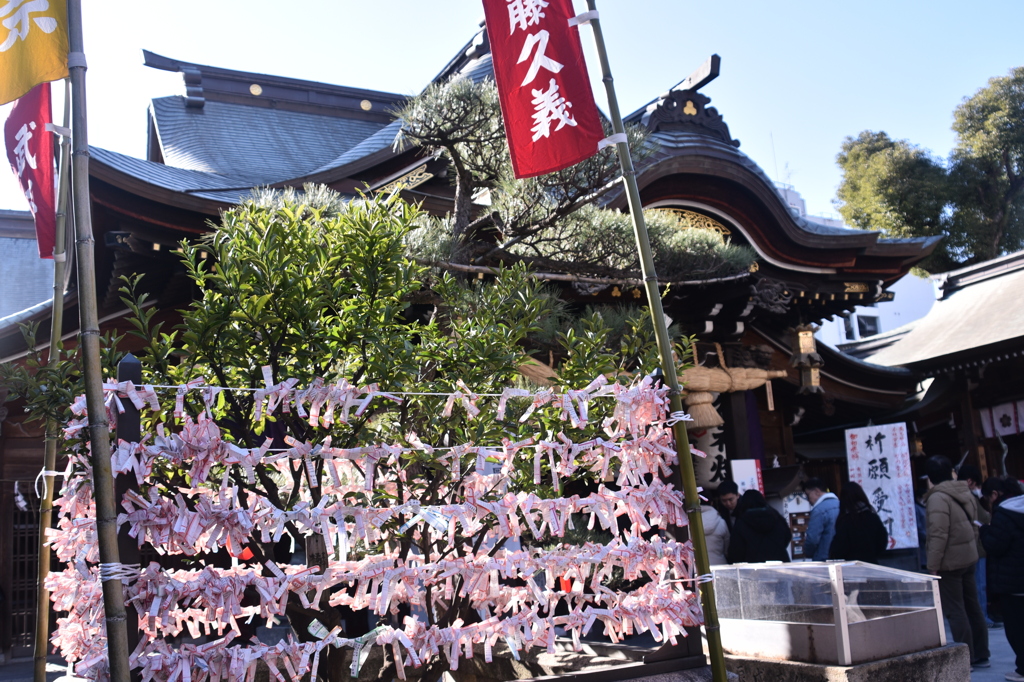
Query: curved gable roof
column 707, row 172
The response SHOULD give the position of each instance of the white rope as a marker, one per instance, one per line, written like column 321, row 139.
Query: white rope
column 612, row 140
column 204, row 387
column 676, row 417
column 60, row 130
column 44, row 472
column 118, row 571
column 584, row 18
column 315, row 452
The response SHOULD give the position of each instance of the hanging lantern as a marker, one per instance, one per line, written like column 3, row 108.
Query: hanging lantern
column 807, row 360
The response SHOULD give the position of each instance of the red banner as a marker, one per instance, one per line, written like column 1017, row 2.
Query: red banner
column 551, row 120
column 30, row 151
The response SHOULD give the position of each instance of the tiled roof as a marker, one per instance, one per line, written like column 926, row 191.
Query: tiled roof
column 476, row 70
column 872, row 345
column 380, row 140
column 479, row 69
column 260, row 144
column 981, row 307
column 214, row 186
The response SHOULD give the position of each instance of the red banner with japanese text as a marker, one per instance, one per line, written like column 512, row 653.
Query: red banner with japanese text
column 551, row 119
column 30, row 151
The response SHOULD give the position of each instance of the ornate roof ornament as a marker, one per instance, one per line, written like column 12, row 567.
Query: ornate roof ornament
column 772, row 295
column 687, row 111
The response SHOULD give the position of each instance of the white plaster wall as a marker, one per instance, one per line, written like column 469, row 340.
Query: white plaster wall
column 914, row 297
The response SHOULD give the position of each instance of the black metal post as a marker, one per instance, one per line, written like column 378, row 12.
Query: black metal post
column 129, row 428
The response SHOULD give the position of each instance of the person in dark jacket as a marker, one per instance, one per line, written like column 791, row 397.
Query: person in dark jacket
column 759, row 533
column 728, row 500
column 860, row 534
column 1004, row 544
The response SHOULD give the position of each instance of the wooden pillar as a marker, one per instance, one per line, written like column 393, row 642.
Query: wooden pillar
column 971, row 428
column 737, row 434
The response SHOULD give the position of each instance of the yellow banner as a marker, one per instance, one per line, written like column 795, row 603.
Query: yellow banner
column 33, row 45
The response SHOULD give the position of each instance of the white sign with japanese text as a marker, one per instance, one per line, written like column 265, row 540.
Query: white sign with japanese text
column 747, row 474
column 879, row 460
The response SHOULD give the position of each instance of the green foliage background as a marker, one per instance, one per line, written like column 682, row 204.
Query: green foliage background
column 318, row 287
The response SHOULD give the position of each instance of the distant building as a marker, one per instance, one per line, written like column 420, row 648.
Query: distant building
column 911, row 299
column 796, row 202
column 27, row 279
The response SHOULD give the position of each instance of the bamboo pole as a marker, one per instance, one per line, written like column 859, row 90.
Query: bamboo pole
column 89, row 346
column 684, row 473
column 52, row 426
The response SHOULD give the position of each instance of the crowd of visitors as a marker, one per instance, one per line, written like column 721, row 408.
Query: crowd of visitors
column 970, row 534
column 745, row 529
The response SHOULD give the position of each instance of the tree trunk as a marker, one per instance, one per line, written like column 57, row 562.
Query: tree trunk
column 462, row 212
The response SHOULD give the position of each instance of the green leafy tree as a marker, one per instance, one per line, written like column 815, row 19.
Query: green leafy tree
column 892, row 185
column 987, row 167
column 46, row 390
column 975, row 200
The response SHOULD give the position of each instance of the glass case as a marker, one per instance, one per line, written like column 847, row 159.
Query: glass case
column 827, row 612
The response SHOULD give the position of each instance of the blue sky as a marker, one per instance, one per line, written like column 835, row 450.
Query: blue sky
column 797, row 77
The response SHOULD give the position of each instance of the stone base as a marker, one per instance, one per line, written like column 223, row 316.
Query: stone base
column 951, row 663
column 694, row 675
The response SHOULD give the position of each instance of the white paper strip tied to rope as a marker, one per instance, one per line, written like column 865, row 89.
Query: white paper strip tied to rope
column 328, row 403
column 383, row 582
column 657, row 608
column 216, row 519
column 211, row 514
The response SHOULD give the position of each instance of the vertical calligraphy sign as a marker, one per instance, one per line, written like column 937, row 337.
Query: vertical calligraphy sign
column 879, row 460
column 551, row 119
column 30, row 151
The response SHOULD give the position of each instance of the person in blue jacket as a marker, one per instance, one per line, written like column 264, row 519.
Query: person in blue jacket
column 821, row 528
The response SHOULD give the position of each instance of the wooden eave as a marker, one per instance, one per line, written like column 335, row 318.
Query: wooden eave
column 169, row 198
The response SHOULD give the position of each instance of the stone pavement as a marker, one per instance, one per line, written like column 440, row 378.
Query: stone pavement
column 1002, row 663
column 1002, row 658
column 20, row 670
